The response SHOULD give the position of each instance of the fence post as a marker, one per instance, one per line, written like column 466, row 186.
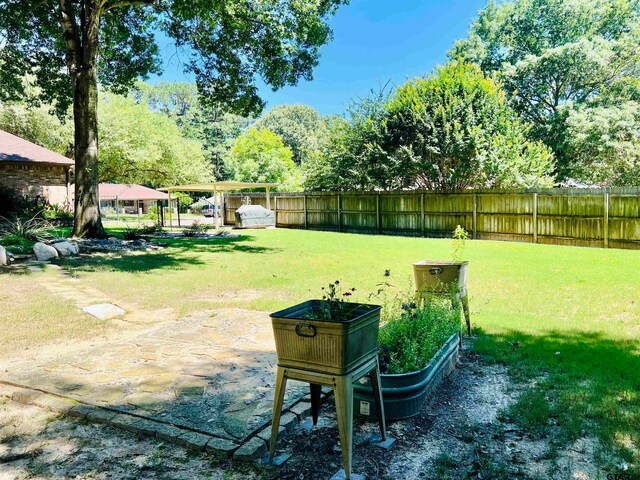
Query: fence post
column 606, row 220
column 339, row 212
column 304, row 196
column 475, row 216
column 535, row 218
column 378, row 214
column 422, row 219
column 275, row 210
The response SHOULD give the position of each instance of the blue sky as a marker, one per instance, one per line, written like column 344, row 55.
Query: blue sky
column 375, row 41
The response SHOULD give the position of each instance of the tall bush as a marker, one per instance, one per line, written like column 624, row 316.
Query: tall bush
column 453, row 129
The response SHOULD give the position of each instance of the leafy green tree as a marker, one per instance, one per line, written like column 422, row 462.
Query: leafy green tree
column 215, row 128
column 451, row 130
column 556, row 56
column 141, row 146
column 261, row 156
column 352, row 156
column 605, row 143
column 37, row 125
column 301, row 127
column 68, row 46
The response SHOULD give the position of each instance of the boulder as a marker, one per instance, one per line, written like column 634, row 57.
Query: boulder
column 44, row 252
column 66, row 249
column 4, row 258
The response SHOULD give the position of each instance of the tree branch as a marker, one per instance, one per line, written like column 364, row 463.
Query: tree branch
column 126, row 3
column 70, row 35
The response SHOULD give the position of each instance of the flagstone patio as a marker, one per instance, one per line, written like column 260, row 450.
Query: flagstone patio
column 205, row 381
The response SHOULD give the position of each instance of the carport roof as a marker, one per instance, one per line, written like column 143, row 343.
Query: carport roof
column 218, row 187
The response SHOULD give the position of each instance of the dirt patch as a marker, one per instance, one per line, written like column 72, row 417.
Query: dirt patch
column 35, row 444
column 458, row 434
column 226, row 296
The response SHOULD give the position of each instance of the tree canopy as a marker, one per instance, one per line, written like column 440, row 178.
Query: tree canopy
column 557, row 59
column 261, row 156
column 69, row 47
column 215, row 128
column 451, row 130
column 301, row 127
column 141, row 146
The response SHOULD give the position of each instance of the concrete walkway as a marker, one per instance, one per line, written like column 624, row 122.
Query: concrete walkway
column 205, row 381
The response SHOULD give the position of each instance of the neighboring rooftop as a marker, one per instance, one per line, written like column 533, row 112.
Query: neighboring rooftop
column 131, row 191
column 16, row 149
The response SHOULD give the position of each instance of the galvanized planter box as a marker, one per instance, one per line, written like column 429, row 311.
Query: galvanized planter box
column 404, row 394
column 434, row 276
column 325, row 346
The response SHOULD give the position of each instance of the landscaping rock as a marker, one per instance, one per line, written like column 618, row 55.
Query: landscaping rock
column 44, row 252
column 4, row 258
column 114, row 240
column 66, row 249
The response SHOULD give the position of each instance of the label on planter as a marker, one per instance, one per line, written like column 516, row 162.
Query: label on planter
column 365, row 408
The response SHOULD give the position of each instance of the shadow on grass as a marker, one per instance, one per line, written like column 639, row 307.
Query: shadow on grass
column 178, row 254
column 585, row 383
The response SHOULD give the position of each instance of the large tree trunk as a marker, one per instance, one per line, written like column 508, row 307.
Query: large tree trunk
column 82, row 54
column 87, row 221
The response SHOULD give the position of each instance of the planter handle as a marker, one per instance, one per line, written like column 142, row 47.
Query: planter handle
column 305, row 329
column 435, row 271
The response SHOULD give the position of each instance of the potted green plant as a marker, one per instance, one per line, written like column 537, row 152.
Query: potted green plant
column 419, row 345
column 441, row 277
column 330, row 335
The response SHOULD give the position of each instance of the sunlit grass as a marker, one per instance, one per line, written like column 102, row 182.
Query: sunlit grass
column 31, row 316
column 566, row 318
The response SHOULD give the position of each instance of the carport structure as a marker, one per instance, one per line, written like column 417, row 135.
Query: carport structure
column 218, row 189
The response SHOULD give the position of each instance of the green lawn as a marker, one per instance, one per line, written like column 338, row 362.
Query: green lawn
column 565, row 320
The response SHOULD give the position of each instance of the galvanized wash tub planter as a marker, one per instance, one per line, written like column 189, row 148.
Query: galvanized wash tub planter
column 444, row 278
column 331, row 346
column 403, row 394
column 435, row 276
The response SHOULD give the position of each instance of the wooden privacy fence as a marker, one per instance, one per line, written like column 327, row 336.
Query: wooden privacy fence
column 586, row 217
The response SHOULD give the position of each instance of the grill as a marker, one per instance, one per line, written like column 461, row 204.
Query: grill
column 254, row 216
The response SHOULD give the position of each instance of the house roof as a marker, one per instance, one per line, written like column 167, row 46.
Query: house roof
column 16, row 149
column 121, row 191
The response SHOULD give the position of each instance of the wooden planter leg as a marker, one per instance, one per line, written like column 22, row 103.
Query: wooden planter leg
column 374, row 375
column 316, row 391
column 278, row 399
column 343, row 389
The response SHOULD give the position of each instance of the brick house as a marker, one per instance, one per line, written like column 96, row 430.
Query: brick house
column 34, row 171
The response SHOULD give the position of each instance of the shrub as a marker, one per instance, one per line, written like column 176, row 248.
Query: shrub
column 58, row 216
column 12, row 202
column 28, row 228
column 151, row 229
column 410, row 341
column 132, row 233
column 194, row 230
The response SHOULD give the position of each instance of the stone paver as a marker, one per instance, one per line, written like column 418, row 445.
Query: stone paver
column 254, row 449
column 104, row 311
column 205, row 381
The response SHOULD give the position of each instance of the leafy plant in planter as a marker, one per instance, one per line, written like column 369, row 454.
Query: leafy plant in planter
column 334, row 306
column 418, row 344
column 408, row 343
column 438, row 277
